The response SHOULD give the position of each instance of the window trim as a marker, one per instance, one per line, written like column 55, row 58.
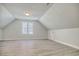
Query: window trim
column 26, row 31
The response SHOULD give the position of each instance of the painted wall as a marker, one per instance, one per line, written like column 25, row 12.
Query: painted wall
column 67, row 36
column 14, row 31
column 5, row 16
column 51, row 35
column 62, row 20
column 0, row 34
column 61, row 15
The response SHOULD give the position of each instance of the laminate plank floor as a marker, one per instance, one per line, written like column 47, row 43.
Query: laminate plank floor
column 35, row 48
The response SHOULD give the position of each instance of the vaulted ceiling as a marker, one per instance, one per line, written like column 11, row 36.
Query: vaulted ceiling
column 61, row 16
column 5, row 16
column 10, row 11
column 53, row 16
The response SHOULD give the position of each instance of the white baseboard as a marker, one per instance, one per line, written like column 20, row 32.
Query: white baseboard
column 67, row 44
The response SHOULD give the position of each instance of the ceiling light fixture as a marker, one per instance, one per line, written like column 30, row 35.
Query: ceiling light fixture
column 28, row 13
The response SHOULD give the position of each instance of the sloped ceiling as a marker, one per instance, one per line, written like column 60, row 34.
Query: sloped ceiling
column 61, row 16
column 36, row 10
column 10, row 11
column 5, row 16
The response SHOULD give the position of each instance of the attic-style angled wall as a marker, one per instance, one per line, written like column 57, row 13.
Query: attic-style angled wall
column 14, row 31
column 61, row 16
column 5, row 16
column 63, row 21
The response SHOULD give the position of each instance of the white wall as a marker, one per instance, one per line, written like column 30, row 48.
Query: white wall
column 14, row 31
column 51, row 35
column 61, row 15
column 59, row 19
column 67, row 36
column 5, row 16
column 0, row 34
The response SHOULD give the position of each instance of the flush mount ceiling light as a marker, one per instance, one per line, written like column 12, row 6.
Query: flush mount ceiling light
column 28, row 13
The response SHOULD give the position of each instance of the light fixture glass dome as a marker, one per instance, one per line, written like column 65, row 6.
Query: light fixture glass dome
column 28, row 13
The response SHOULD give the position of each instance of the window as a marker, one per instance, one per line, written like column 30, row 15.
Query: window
column 27, row 27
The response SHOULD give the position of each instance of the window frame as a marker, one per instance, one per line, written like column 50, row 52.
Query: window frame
column 27, row 27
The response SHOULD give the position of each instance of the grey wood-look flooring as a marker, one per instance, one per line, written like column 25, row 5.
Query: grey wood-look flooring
column 35, row 48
